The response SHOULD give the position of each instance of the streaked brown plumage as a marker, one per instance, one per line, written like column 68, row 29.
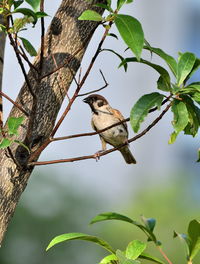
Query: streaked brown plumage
column 103, row 115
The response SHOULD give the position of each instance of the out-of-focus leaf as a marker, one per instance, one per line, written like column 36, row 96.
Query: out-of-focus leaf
column 135, row 249
column 110, row 216
column 149, row 223
column 109, row 259
column 141, row 108
column 194, row 237
column 80, row 236
column 131, row 32
column 151, row 258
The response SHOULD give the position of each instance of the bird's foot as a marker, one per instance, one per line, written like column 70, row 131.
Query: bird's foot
column 97, row 155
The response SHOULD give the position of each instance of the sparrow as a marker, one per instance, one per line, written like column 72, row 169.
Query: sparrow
column 103, row 115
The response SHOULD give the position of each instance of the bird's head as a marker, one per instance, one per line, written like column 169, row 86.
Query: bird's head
column 96, row 102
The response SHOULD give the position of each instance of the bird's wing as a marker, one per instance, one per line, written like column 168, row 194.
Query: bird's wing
column 119, row 116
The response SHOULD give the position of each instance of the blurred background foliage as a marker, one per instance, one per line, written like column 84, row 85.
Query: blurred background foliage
column 164, row 184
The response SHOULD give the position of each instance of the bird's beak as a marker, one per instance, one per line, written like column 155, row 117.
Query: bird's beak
column 86, row 100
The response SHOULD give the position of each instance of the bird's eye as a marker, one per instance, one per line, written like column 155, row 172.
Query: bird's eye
column 100, row 103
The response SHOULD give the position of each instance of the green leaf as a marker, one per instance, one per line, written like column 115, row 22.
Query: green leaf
column 125, row 65
column 80, row 236
column 131, row 32
column 18, row 3
column 194, row 236
column 14, row 124
column 90, row 15
column 28, row 47
column 173, row 137
column 23, row 145
column 34, row 4
column 181, row 116
column 115, row 216
column 171, row 62
column 123, row 260
column 5, row 143
column 27, row 12
column 141, row 108
column 183, row 238
column 120, row 3
column 194, row 116
column 108, row 259
column 112, row 35
column 162, row 71
column 41, row 14
column 149, row 223
column 185, row 65
column 134, row 249
column 198, row 160
column 194, row 69
column 110, row 216
column 150, row 258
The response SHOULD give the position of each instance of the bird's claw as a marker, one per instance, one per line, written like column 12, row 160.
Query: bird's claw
column 97, row 155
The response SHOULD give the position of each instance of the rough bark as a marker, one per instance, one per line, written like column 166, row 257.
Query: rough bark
column 65, row 36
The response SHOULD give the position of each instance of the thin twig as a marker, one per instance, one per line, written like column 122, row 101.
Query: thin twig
column 13, row 43
column 164, row 255
column 14, row 103
column 39, row 163
column 97, row 90
column 42, row 36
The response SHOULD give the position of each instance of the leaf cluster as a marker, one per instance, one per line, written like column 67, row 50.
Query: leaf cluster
column 134, row 252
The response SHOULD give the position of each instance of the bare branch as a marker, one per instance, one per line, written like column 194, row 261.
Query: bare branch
column 97, row 90
column 14, row 103
column 39, row 163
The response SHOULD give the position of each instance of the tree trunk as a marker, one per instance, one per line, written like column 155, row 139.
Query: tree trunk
column 65, row 37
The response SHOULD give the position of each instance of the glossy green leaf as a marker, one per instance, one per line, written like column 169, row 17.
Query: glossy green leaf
column 185, row 65
column 131, row 32
column 90, row 15
column 28, row 47
column 194, row 69
column 109, row 259
column 134, row 249
column 194, row 236
column 141, row 108
column 80, row 236
column 151, row 258
column 14, row 124
column 34, row 4
column 162, row 71
column 5, row 142
column 171, row 62
column 27, row 12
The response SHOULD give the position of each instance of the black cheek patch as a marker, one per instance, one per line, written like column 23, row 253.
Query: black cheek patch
column 100, row 103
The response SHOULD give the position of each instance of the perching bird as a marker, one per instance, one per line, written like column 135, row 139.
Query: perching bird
column 103, row 115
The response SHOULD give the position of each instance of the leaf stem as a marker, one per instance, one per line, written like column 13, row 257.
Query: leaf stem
column 164, row 255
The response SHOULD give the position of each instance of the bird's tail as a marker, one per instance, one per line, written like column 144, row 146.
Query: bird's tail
column 126, row 153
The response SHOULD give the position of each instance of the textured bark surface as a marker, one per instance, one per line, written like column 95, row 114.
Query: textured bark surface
column 65, row 36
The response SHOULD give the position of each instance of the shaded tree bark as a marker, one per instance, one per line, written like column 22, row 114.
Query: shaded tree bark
column 65, row 37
